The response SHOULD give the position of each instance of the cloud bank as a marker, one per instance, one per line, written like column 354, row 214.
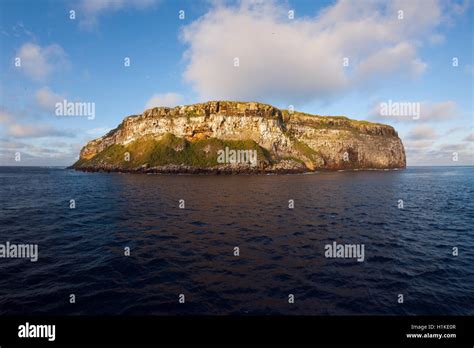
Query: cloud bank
column 165, row 99
column 254, row 51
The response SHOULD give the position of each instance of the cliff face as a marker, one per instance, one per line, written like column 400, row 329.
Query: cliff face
column 192, row 138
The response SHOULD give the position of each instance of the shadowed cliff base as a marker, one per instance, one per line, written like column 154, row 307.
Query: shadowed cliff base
column 223, row 137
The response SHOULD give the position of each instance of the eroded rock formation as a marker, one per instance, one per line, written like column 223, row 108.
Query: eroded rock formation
column 189, row 138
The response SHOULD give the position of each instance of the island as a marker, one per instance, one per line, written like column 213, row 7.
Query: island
column 227, row 137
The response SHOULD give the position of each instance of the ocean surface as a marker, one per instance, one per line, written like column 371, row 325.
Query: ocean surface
column 190, row 251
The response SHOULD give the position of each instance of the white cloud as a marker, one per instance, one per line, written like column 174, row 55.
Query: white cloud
column 417, row 145
column 387, row 61
column 439, row 111
column 12, row 128
column 428, row 111
column 470, row 137
column 454, row 147
column 436, row 39
column 35, row 131
column 300, row 60
column 90, row 10
column 454, row 129
column 11, row 144
column 421, row 132
column 424, row 152
column 47, row 99
column 42, row 153
column 39, row 62
column 166, row 99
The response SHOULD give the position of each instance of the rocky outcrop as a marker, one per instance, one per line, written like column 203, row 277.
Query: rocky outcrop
column 192, row 139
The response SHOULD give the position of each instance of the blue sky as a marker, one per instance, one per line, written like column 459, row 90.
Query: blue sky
column 282, row 61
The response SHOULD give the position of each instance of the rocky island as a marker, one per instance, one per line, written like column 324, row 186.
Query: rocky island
column 241, row 137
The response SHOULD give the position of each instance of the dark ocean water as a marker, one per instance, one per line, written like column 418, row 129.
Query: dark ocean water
column 407, row 251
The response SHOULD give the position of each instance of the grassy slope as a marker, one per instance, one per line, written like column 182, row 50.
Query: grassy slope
column 170, row 150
